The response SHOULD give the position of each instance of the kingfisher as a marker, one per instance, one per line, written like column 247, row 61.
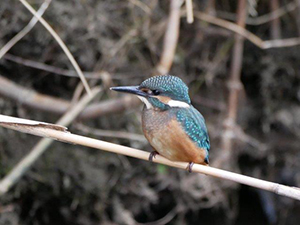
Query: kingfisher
column 173, row 127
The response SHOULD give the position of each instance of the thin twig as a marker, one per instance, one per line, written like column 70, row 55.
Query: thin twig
column 288, row 42
column 234, row 86
column 264, row 18
column 171, row 38
column 25, row 30
column 64, row 136
column 189, row 11
column 122, row 42
column 61, row 43
column 32, row 99
column 77, row 93
column 141, row 5
column 275, row 23
column 60, row 71
column 49, row 68
column 230, row 26
column 25, row 164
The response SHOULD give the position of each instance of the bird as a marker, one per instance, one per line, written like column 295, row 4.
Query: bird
column 172, row 126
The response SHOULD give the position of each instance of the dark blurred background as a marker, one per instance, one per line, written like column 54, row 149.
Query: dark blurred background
column 248, row 91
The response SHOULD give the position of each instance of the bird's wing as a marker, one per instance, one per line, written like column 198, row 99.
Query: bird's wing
column 194, row 125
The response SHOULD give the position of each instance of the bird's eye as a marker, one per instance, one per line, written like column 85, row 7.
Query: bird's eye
column 155, row 92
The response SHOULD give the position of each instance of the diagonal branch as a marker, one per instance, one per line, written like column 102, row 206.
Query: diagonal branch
column 259, row 20
column 33, row 99
column 65, row 72
column 170, row 39
column 25, row 30
column 33, row 127
column 60, row 42
column 25, row 164
column 288, row 42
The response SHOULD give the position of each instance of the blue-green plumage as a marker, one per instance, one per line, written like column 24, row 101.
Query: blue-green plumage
column 193, row 124
column 171, row 124
column 170, row 86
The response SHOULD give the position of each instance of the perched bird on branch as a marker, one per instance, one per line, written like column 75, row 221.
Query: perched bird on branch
column 173, row 127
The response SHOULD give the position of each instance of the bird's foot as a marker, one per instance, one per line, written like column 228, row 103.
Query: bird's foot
column 152, row 155
column 190, row 167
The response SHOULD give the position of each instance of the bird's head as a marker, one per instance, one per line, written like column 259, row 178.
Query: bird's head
column 160, row 92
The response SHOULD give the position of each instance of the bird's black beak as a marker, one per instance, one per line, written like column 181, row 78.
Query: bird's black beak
column 130, row 89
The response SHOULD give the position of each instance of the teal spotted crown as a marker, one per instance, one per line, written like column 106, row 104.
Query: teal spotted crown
column 169, row 86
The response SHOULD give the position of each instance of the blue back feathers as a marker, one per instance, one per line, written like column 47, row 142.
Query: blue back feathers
column 168, row 85
column 194, row 125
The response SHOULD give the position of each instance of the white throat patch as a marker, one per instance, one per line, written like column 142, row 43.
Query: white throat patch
column 179, row 104
column 171, row 103
column 147, row 103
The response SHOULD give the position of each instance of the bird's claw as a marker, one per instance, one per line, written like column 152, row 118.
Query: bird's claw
column 190, row 167
column 152, row 155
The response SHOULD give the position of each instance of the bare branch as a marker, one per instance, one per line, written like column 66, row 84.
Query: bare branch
column 63, row 72
column 32, row 99
column 49, row 68
column 61, row 43
column 288, row 42
column 189, row 11
column 264, row 18
column 275, row 23
column 25, row 30
column 25, row 164
column 292, row 192
column 141, row 5
column 235, row 86
column 171, row 38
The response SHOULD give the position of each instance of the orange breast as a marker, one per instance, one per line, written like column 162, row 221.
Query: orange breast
column 168, row 138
